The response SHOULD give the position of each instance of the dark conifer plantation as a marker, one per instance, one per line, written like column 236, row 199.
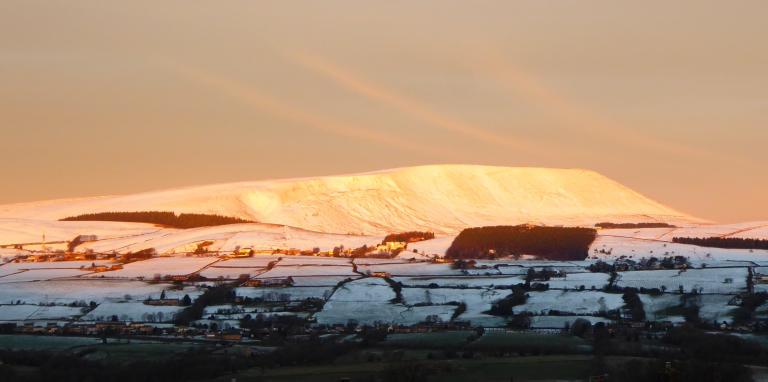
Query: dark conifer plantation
column 552, row 243
column 633, row 225
column 163, row 218
column 723, row 242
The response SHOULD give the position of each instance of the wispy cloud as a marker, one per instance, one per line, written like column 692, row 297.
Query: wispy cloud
column 407, row 105
column 294, row 114
column 582, row 119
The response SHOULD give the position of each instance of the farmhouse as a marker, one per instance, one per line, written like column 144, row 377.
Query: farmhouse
column 163, row 302
column 271, row 282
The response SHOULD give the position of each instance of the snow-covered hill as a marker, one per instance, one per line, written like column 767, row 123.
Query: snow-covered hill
column 439, row 198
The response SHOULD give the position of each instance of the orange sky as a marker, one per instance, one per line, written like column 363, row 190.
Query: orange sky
column 105, row 97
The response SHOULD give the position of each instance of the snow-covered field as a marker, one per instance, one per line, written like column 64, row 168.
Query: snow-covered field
column 230, row 273
column 159, row 267
column 67, row 291
column 320, row 281
column 578, row 302
column 41, row 275
column 636, row 249
column 559, row 322
column 719, row 274
column 478, row 301
column 37, row 312
column 588, row 280
column 309, row 270
column 461, row 281
column 132, row 311
column 257, row 261
column 412, row 269
column 14, row 230
column 368, row 301
column 292, row 294
column 709, row 280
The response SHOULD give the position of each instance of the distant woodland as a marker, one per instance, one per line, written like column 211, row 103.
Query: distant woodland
column 723, row 242
column 633, row 225
column 552, row 243
column 409, row 237
column 163, row 218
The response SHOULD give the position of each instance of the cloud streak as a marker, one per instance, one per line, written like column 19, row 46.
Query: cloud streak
column 286, row 111
column 516, row 80
column 405, row 104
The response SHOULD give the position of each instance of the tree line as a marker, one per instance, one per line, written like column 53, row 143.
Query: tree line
column 723, row 242
column 609, row 225
column 408, row 237
column 551, row 243
column 163, row 218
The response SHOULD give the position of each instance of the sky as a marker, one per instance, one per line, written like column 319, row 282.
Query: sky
column 106, row 97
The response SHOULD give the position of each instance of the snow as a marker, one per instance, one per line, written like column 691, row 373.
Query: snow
column 441, row 198
column 576, row 280
column 340, row 312
column 710, row 280
column 655, row 305
column 559, row 322
column 41, row 275
column 67, row 291
column 310, row 270
column 227, row 238
column 17, row 231
column 161, row 266
column 7, row 254
column 230, row 273
column 314, row 260
column 407, row 269
column 578, row 302
column 257, row 261
column 370, row 289
column 293, row 293
column 132, row 311
column 715, row 308
column 368, row 301
column 461, row 281
column 37, row 312
column 436, row 246
column 639, row 248
column 477, row 300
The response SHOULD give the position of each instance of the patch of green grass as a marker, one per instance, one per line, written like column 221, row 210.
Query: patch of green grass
column 486, row 369
column 530, row 342
column 429, row 340
column 675, row 310
column 27, row 342
column 139, row 350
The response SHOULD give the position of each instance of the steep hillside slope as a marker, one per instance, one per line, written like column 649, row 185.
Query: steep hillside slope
column 441, row 198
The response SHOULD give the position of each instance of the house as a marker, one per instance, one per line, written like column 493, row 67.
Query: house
column 86, row 238
column 270, row 282
column 163, row 302
column 242, row 252
column 383, row 275
column 103, row 268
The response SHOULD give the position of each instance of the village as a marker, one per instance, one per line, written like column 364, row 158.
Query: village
column 293, row 295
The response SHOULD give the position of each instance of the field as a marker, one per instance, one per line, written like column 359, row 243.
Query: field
column 132, row 311
column 427, row 290
column 158, row 267
column 553, row 368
